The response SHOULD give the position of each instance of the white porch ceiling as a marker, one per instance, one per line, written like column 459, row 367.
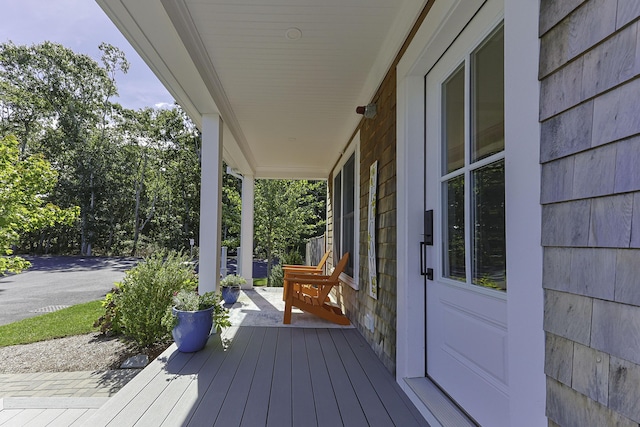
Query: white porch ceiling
column 288, row 105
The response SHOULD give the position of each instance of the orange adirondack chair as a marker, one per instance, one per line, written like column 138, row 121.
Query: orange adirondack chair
column 310, row 292
column 289, row 269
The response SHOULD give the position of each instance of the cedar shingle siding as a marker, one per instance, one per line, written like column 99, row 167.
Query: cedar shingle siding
column 378, row 142
column 590, row 156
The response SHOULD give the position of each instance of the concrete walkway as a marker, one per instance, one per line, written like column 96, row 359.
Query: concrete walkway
column 65, row 384
column 57, row 398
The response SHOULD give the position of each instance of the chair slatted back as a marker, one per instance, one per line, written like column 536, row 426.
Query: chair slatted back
column 334, row 278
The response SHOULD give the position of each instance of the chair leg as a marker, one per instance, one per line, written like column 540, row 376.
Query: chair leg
column 287, row 313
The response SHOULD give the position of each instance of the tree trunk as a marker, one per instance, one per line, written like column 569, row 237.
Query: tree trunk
column 139, row 185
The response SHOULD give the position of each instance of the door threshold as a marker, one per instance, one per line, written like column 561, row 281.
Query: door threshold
column 438, row 403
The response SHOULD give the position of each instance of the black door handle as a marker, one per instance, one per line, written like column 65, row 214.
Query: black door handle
column 424, row 270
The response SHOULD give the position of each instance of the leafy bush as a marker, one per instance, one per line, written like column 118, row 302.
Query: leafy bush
column 109, row 322
column 276, row 278
column 145, row 294
column 292, row 258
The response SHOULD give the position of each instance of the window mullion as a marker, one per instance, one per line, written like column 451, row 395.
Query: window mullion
column 468, row 224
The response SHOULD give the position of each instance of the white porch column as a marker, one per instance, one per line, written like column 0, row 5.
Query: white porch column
column 210, row 203
column 246, row 231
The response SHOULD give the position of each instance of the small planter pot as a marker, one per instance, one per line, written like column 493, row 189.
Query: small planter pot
column 230, row 294
column 193, row 329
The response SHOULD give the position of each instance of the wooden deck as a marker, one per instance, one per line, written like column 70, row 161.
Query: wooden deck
column 265, row 376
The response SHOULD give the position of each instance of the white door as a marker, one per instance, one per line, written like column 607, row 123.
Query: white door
column 464, row 166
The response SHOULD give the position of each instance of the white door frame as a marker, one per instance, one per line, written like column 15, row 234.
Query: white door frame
column 446, row 19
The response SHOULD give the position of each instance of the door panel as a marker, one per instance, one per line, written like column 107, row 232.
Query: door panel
column 464, row 174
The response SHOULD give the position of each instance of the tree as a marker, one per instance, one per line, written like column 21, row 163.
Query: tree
column 60, row 102
column 134, row 174
column 24, row 186
column 285, row 215
column 231, row 210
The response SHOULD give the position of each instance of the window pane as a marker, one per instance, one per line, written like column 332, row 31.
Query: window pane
column 337, row 213
column 488, row 98
column 488, row 243
column 453, row 122
column 348, row 203
column 454, row 260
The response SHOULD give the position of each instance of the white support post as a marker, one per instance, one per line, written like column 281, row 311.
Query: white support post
column 210, row 203
column 246, row 231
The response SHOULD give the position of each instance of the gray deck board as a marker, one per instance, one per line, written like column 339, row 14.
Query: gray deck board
column 266, row 376
column 69, row 417
column 192, row 397
column 350, row 409
column 45, row 417
column 303, row 406
column 214, row 394
column 260, row 392
column 238, row 394
column 327, row 411
column 162, row 406
column 399, row 407
column 132, row 413
column 371, row 404
column 20, row 417
column 280, row 402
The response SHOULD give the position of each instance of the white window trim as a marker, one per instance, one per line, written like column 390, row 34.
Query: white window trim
column 353, row 147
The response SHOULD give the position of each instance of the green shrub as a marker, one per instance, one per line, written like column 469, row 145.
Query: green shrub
column 276, row 278
column 292, row 258
column 109, row 322
column 146, row 292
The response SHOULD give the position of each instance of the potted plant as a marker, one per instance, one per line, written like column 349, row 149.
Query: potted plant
column 192, row 318
column 231, row 288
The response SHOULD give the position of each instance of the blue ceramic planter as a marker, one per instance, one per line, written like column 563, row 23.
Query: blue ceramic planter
column 193, row 329
column 230, row 294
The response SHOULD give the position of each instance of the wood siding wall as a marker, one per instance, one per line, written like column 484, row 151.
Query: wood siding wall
column 378, row 142
column 590, row 157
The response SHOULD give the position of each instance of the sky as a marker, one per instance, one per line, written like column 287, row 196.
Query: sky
column 81, row 26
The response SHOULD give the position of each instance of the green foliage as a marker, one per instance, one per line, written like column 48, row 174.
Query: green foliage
column 109, row 322
column 135, row 175
column 292, row 258
column 75, row 320
column 186, row 300
column 24, row 188
column 261, row 281
column 231, row 210
column 232, row 280
column 286, row 213
column 146, row 293
column 276, row 276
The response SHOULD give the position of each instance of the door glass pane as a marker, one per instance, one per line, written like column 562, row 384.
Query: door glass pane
column 453, row 122
column 487, row 69
column 488, row 242
column 454, row 259
column 348, row 206
column 337, row 213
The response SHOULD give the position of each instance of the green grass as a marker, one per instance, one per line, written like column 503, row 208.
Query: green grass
column 260, row 282
column 75, row 320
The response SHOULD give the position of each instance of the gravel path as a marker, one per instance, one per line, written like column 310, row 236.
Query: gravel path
column 91, row 352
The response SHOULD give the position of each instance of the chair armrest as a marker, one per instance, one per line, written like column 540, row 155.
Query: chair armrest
column 303, row 276
column 301, row 269
column 316, row 282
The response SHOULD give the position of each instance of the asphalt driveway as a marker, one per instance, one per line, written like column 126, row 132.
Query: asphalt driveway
column 53, row 282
